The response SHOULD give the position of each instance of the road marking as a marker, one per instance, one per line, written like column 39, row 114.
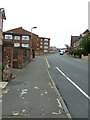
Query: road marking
column 73, row 83
column 59, row 96
column 47, row 63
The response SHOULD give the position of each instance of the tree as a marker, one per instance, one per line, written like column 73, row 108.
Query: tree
column 67, row 46
column 85, row 44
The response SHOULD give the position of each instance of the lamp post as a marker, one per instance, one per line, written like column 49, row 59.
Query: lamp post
column 31, row 39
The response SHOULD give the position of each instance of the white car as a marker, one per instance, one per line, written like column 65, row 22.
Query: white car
column 61, row 52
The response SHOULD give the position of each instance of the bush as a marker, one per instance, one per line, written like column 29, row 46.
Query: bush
column 85, row 44
column 78, row 53
column 71, row 52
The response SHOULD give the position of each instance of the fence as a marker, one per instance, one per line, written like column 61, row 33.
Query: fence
column 87, row 58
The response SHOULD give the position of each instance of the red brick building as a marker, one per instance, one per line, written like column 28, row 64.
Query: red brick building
column 21, row 48
column 20, row 52
column 19, row 36
column 44, row 45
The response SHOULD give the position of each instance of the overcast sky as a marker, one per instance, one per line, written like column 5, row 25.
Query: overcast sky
column 55, row 19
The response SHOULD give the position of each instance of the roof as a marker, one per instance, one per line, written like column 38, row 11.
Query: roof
column 12, row 33
column 44, row 38
column 86, row 31
column 19, row 31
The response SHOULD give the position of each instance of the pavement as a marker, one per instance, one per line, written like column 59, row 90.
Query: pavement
column 3, row 85
column 15, row 72
column 33, row 94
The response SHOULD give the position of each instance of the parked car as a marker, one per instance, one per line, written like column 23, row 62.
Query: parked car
column 61, row 52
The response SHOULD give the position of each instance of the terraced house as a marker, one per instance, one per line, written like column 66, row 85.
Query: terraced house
column 75, row 40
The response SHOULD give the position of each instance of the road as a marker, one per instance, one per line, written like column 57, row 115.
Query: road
column 71, row 78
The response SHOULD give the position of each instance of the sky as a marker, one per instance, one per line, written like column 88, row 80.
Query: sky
column 54, row 19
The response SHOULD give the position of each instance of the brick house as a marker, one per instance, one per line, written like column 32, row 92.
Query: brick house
column 17, row 43
column 75, row 40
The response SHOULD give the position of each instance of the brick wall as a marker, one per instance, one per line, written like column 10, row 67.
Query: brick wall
column 87, row 58
column 8, row 55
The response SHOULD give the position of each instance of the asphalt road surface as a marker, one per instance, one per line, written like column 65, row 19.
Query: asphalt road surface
column 71, row 78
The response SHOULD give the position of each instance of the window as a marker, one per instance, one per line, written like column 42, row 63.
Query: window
column 45, row 50
column 25, row 37
column 41, row 43
column 46, row 47
column 45, row 39
column 16, row 44
column 25, row 45
column 45, row 43
column 17, row 37
column 40, row 46
column 8, row 37
column 41, row 40
column 37, row 48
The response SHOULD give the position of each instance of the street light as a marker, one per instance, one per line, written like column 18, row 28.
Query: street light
column 31, row 38
column 31, row 34
column 33, row 28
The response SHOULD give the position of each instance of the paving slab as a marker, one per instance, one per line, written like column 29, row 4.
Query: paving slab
column 3, row 84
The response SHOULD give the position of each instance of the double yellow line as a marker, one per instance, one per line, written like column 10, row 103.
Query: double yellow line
column 47, row 63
